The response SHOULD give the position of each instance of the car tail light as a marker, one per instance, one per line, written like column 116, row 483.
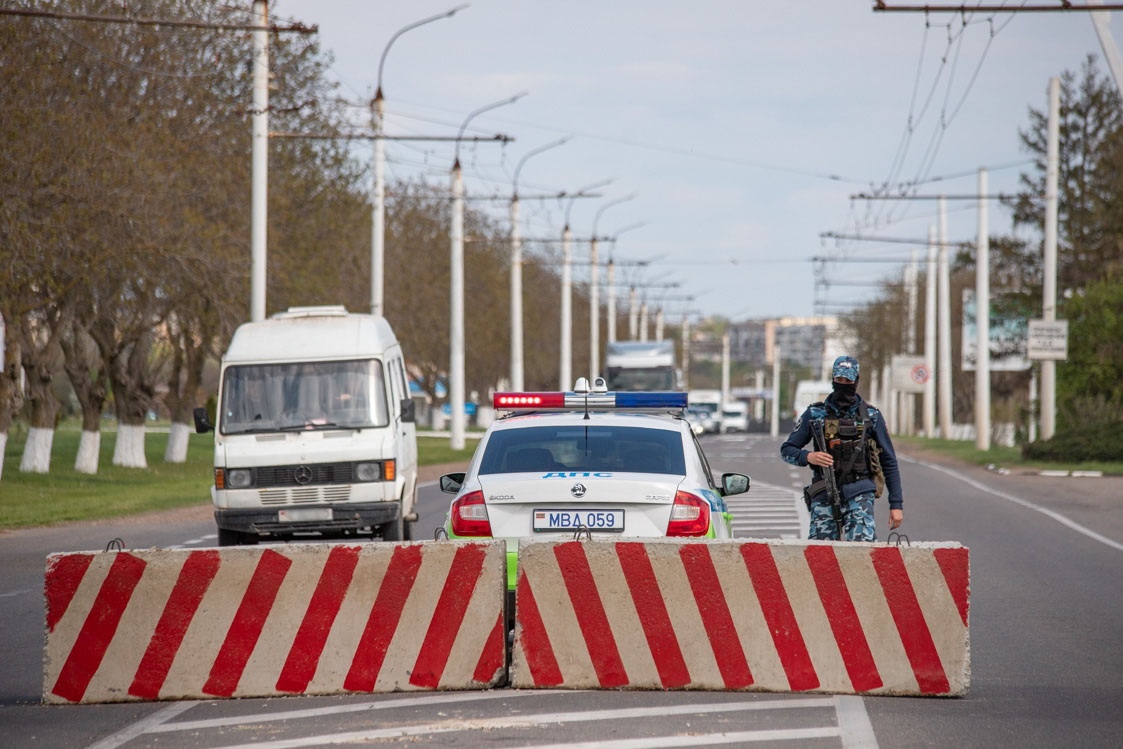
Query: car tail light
column 690, row 516
column 469, row 516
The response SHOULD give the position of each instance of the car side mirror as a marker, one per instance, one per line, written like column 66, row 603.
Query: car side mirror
column 202, row 423
column 734, row 483
column 409, row 411
column 451, row 482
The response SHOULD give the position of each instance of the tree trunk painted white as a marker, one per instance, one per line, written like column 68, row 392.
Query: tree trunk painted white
column 129, row 452
column 176, row 451
column 89, row 448
column 37, row 451
column 3, row 446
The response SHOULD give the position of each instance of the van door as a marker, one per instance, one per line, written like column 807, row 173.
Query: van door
column 407, row 432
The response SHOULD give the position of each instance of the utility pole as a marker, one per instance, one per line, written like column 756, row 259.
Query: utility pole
column 930, row 338
column 565, row 357
column 594, row 295
column 259, row 189
column 982, row 324
column 1049, row 303
column 775, row 426
column 943, row 300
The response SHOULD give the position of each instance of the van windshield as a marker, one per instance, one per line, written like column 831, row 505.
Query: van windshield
column 309, row 395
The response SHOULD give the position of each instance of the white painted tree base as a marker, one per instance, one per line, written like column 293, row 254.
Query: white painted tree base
column 89, row 448
column 176, row 451
column 37, row 451
column 129, row 452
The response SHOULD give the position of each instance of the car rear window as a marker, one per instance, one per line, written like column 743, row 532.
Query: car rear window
column 581, row 448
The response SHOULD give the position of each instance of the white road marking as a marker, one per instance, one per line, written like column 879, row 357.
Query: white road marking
column 554, row 718
column 1024, row 503
column 148, row 725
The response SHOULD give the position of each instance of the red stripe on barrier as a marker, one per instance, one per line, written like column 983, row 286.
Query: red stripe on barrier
column 911, row 626
column 843, row 618
column 448, row 616
column 591, row 617
column 248, row 622
column 64, row 575
column 955, row 564
column 533, row 637
column 100, row 626
column 493, row 655
column 194, row 578
column 400, row 575
column 714, row 610
column 779, row 617
column 652, row 611
column 304, row 656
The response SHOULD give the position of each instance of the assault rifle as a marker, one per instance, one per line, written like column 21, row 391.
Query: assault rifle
column 829, row 475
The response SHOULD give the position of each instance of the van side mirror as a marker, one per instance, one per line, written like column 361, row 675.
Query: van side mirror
column 202, row 423
column 409, row 411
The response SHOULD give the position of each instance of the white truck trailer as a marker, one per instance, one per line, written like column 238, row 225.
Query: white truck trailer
column 314, row 431
column 640, row 365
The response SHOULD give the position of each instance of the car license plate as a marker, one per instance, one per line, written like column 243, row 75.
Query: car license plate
column 569, row 520
column 304, row 514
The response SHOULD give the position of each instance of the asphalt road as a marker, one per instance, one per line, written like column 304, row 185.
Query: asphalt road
column 1047, row 654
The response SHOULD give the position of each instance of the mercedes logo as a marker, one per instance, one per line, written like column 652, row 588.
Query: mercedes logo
column 302, row 474
column 578, row 490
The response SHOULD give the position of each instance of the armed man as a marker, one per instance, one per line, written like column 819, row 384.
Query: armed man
column 852, row 461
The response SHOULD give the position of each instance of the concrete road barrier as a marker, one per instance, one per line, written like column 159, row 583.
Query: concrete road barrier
column 778, row 616
column 274, row 620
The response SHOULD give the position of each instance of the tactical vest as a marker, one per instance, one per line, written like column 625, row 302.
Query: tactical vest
column 856, row 456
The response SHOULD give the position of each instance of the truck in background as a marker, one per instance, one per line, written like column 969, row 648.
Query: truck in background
column 708, row 404
column 314, row 431
column 640, row 365
column 808, row 392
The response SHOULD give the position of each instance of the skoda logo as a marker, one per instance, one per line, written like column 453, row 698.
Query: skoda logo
column 578, row 490
column 302, row 474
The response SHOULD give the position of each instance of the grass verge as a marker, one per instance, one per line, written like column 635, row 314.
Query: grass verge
column 64, row 495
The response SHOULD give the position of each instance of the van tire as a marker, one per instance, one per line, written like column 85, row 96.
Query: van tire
column 393, row 531
column 227, row 537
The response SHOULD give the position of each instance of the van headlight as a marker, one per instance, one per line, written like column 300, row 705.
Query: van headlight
column 368, row 471
column 239, row 478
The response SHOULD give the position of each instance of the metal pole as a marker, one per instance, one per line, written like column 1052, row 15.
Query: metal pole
column 930, row 338
column 378, row 192
column 943, row 300
column 260, row 161
column 456, row 314
column 982, row 323
column 517, row 272
column 456, row 292
column 594, row 292
column 610, row 308
column 1049, row 303
column 775, row 426
column 565, row 358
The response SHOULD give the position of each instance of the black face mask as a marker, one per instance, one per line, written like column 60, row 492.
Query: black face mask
column 845, row 394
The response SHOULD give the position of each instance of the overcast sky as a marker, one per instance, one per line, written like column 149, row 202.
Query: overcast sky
column 741, row 127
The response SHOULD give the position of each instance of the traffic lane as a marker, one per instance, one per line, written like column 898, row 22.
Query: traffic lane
column 1047, row 669
column 23, row 557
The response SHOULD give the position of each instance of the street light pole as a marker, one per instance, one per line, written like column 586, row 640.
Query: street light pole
column 611, row 306
column 517, row 272
column 259, row 160
column 456, row 290
column 566, row 348
column 594, row 298
column 378, row 196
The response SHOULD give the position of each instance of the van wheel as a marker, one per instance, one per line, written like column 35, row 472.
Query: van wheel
column 227, row 537
column 394, row 530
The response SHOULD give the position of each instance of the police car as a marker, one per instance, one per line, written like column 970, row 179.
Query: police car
column 586, row 463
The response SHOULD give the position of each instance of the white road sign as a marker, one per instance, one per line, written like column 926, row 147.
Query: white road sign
column 1048, row 339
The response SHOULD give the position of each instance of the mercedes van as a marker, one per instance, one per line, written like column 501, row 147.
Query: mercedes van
column 314, row 431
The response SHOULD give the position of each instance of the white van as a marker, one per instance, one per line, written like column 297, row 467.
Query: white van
column 314, row 430
column 808, row 392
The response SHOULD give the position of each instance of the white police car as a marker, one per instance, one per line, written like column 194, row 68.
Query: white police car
column 589, row 461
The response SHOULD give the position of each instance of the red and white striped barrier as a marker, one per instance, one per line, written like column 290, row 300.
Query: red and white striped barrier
column 262, row 621
column 778, row 616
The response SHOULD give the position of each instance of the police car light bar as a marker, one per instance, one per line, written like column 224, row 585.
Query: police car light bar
column 656, row 400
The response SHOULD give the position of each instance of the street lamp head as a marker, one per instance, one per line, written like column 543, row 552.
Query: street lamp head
column 472, row 115
column 523, row 160
column 582, row 192
column 605, row 207
column 404, row 29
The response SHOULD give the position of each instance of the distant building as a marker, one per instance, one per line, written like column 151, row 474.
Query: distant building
column 811, row 342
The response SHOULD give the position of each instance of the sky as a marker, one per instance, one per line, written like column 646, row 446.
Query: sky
column 736, row 133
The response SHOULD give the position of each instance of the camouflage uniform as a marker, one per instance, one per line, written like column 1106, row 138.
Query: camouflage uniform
column 857, row 494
